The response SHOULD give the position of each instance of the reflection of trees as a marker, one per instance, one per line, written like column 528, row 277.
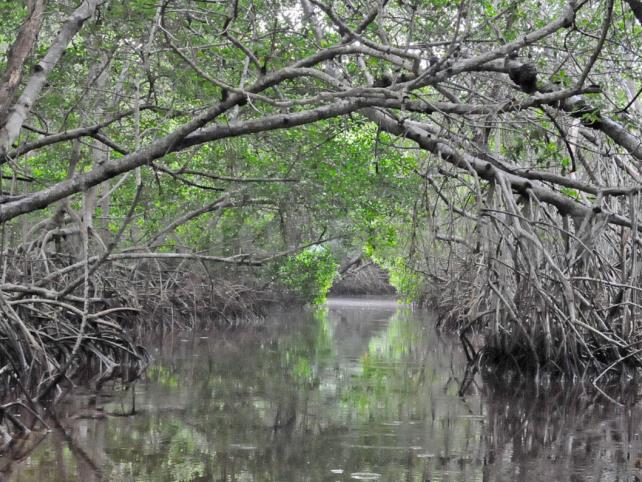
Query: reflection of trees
column 560, row 433
column 64, row 447
column 325, row 391
column 335, row 390
column 19, row 449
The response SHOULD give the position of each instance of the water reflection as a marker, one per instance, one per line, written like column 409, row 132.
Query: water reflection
column 352, row 392
column 561, row 433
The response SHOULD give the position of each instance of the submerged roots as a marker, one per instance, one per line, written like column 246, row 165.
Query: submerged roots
column 48, row 341
column 537, row 291
column 59, row 328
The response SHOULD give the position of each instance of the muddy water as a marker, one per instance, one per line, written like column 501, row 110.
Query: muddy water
column 357, row 391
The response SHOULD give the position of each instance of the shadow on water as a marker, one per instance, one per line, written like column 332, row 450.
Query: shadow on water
column 356, row 391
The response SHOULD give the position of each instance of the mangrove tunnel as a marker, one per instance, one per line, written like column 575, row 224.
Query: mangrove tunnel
column 208, row 204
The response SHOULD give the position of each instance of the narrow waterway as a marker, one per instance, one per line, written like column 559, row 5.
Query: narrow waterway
column 360, row 390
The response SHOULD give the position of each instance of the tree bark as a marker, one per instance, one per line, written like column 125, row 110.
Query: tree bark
column 20, row 110
column 18, row 54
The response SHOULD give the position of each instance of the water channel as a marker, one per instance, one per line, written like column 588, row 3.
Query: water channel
column 359, row 390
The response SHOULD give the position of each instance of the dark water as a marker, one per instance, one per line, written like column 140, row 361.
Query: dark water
column 353, row 392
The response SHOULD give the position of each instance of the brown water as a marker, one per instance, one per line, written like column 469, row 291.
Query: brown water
column 358, row 391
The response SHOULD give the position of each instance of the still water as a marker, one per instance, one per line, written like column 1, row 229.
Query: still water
column 360, row 390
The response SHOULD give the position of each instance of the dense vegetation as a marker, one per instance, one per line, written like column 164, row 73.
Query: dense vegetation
column 173, row 158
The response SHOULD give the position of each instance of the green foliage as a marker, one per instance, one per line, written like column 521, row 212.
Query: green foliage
column 406, row 281
column 350, row 178
column 572, row 193
column 310, row 273
column 562, row 78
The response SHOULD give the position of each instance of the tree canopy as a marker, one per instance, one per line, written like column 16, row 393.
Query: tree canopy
column 487, row 153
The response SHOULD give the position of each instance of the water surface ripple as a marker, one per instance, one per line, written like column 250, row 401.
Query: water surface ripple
column 355, row 391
